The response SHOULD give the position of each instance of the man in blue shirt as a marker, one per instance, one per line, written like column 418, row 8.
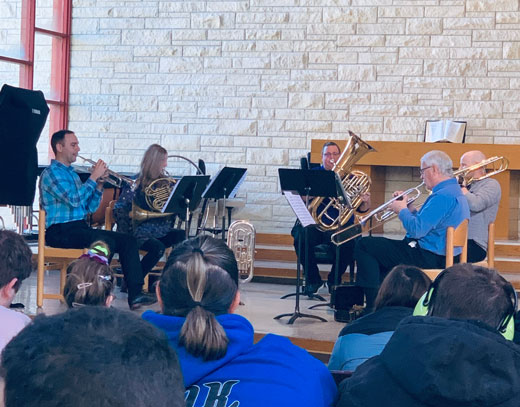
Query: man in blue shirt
column 330, row 154
column 425, row 242
column 67, row 201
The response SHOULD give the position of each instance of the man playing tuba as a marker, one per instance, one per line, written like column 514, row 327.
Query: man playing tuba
column 425, row 242
column 329, row 156
column 483, row 195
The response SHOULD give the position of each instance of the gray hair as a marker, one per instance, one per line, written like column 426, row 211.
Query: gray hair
column 440, row 159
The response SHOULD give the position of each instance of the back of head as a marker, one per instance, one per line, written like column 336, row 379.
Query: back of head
column 441, row 160
column 15, row 258
column 200, row 281
column 402, row 287
column 465, row 291
column 89, row 279
column 91, row 356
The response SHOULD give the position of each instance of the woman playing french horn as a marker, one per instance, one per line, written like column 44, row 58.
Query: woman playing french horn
column 156, row 234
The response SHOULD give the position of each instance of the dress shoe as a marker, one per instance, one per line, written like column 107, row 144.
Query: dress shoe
column 311, row 288
column 142, row 300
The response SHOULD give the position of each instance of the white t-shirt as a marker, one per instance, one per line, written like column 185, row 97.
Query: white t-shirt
column 11, row 322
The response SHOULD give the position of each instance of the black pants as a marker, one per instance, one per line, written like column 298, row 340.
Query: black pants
column 155, row 248
column 375, row 257
column 316, row 237
column 475, row 252
column 77, row 235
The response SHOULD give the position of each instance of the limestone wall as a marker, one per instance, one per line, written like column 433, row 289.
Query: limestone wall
column 250, row 83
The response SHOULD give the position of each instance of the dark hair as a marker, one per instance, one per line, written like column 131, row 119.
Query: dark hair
column 151, row 165
column 58, row 138
column 91, row 356
column 200, row 281
column 89, row 280
column 15, row 258
column 465, row 291
column 328, row 144
column 402, row 287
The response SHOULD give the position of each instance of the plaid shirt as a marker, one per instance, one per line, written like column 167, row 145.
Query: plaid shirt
column 64, row 197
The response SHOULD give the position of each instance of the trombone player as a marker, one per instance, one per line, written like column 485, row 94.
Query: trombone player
column 425, row 242
column 67, row 201
column 483, row 196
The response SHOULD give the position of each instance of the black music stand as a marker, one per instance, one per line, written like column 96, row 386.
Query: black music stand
column 224, row 186
column 305, row 183
column 185, row 197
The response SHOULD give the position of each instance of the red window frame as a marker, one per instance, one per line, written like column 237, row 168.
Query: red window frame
column 60, row 62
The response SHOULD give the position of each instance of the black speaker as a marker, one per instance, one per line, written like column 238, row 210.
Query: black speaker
column 23, row 114
column 343, row 299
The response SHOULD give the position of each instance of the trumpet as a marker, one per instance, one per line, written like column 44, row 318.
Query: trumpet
column 113, row 177
column 383, row 213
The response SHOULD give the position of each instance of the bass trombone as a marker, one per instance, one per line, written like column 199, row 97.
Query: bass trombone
column 113, row 177
column 383, row 213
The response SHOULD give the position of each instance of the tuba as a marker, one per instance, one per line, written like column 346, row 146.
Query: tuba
column 241, row 239
column 331, row 214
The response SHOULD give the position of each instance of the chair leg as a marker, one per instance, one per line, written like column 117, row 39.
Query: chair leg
column 39, row 283
column 63, row 277
column 146, row 280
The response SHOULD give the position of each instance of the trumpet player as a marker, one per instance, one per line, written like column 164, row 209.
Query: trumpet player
column 329, row 155
column 153, row 235
column 483, row 195
column 425, row 242
column 67, row 201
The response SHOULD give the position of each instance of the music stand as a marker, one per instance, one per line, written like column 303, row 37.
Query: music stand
column 223, row 186
column 305, row 183
column 186, row 196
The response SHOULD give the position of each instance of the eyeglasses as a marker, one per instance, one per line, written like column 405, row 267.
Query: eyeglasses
column 331, row 154
column 422, row 170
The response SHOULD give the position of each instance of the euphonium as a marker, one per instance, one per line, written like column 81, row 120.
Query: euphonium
column 241, row 239
column 330, row 213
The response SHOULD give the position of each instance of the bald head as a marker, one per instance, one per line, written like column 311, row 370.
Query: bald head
column 471, row 158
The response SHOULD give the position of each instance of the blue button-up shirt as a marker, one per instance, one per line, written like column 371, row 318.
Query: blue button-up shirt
column 64, row 197
column 445, row 207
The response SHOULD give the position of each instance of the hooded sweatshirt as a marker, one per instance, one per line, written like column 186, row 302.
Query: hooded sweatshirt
column 438, row 362
column 272, row 372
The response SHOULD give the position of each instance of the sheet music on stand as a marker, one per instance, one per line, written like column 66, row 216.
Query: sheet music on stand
column 299, row 208
column 225, row 183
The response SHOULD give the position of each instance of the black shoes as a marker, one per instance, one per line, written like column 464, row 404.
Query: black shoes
column 312, row 288
column 141, row 300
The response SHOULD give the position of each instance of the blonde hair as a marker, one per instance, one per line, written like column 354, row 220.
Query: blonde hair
column 151, row 165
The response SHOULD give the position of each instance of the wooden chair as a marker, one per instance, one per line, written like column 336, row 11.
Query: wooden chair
column 455, row 237
column 489, row 261
column 51, row 258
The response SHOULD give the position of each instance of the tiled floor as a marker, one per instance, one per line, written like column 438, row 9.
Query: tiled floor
column 261, row 303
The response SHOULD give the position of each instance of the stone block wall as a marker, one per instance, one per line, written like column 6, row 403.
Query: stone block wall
column 251, row 82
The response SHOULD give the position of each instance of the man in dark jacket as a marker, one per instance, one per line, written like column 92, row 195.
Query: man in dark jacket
column 456, row 355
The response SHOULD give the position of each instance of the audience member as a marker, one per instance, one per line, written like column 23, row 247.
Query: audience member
column 15, row 266
column 89, row 279
column 459, row 354
column 91, row 356
column 367, row 336
column 198, row 293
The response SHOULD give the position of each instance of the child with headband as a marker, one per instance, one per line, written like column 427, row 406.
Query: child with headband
column 89, row 278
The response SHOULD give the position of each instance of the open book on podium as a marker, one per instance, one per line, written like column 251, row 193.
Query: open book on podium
column 445, row 131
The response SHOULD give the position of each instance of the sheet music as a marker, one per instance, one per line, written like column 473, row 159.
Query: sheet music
column 233, row 193
column 170, row 197
column 299, row 208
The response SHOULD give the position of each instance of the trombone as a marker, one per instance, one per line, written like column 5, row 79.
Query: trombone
column 113, row 177
column 383, row 213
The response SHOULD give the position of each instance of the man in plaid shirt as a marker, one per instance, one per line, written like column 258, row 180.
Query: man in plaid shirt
column 67, row 201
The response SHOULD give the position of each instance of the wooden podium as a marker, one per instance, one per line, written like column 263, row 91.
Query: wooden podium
column 406, row 154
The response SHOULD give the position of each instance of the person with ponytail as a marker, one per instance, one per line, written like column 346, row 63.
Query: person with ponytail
column 198, row 293
column 89, row 279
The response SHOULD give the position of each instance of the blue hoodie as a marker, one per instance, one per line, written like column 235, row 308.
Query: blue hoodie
column 272, row 372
